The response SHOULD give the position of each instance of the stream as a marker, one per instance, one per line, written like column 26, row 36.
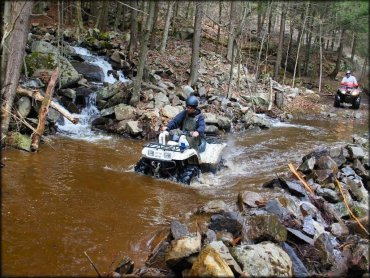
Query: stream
column 80, row 194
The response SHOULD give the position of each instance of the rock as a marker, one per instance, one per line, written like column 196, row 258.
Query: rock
column 323, row 176
column 124, row 112
column 133, row 127
column 209, row 263
column 33, row 84
column 211, row 129
column 248, row 198
column 210, row 118
column 328, row 194
column 39, row 63
column 161, row 100
column 43, row 47
column 213, row 206
column 126, row 266
column 327, row 163
column 307, row 165
column 299, row 270
column 263, row 259
column 299, row 235
column 69, row 105
column 355, row 189
column 24, row 106
column 312, row 227
column 209, row 236
column 224, row 123
column 355, row 152
column 339, row 229
column 18, row 141
column 112, row 89
column 107, row 112
column 296, row 189
column 265, row 227
column 178, row 230
column 308, row 208
column 181, row 249
column 360, row 169
column 170, row 111
column 347, row 171
column 229, row 221
column 90, row 71
column 69, row 93
column 325, row 246
column 224, row 252
column 360, row 258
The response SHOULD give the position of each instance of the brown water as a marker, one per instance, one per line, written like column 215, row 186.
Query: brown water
column 83, row 196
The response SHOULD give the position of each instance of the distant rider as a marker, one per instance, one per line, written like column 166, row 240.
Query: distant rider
column 190, row 119
column 349, row 80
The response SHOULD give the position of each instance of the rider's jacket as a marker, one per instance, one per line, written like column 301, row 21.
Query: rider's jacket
column 349, row 81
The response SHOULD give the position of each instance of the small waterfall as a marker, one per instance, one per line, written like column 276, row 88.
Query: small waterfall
column 82, row 130
column 101, row 62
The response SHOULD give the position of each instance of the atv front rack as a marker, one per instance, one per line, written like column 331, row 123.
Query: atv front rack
column 172, row 148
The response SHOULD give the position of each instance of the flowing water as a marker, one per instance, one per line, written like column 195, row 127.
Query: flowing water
column 81, row 195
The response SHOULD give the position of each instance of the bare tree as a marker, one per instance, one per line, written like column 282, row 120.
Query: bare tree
column 134, row 30
column 17, row 31
column 142, row 56
column 166, row 26
column 281, row 41
column 196, row 43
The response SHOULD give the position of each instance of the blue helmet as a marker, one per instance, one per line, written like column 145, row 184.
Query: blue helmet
column 192, row 101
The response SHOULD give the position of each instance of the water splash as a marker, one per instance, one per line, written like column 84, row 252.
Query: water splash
column 82, row 130
column 102, row 63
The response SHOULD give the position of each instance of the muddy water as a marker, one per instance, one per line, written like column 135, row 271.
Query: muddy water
column 80, row 195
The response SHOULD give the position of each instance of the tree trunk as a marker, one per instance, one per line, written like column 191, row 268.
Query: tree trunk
column 308, row 44
column 119, row 17
column 154, row 28
column 103, row 19
column 79, row 15
column 353, row 48
column 299, row 42
column 142, row 56
column 18, row 34
column 339, row 57
column 321, row 45
column 231, row 34
column 281, row 41
column 134, row 30
column 231, row 69
column 43, row 112
column 5, row 38
column 196, row 43
column 166, row 27
column 218, row 26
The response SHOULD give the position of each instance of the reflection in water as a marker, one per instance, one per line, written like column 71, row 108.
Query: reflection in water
column 84, row 196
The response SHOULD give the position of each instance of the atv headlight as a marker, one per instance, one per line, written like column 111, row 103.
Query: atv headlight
column 150, row 152
column 167, row 155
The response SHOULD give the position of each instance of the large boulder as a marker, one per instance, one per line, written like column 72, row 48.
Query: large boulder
column 124, row 112
column 209, row 263
column 170, row 111
column 90, row 71
column 19, row 141
column 263, row 259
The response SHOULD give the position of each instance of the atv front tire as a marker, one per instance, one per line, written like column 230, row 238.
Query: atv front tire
column 188, row 174
column 337, row 101
column 356, row 103
column 142, row 167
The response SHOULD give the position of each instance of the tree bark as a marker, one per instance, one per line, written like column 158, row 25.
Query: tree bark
column 37, row 96
column 339, row 57
column 218, row 26
column 166, row 27
column 5, row 38
column 119, row 17
column 281, row 41
column 134, row 30
column 231, row 69
column 79, row 15
column 19, row 26
column 43, row 112
column 321, row 45
column 142, row 56
column 196, row 43
column 154, row 26
column 231, row 34
column 299, row 43
column 353, row 48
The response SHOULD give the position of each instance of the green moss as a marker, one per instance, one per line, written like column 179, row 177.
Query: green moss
column 104, row 36
column 37, row 60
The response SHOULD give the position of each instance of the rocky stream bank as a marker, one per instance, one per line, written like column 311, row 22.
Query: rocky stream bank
column 301, row 230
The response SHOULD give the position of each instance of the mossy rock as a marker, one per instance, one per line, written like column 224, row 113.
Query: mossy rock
column 18, row 141
column 49, row 61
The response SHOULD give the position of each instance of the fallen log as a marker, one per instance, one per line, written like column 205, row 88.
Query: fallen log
column 44, row 111
column 37, row 96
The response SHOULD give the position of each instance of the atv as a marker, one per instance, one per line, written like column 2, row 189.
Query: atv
column 348, row 95
column 176, row 161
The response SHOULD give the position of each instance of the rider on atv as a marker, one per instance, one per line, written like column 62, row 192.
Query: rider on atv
column 349, row 81
column 190, row 120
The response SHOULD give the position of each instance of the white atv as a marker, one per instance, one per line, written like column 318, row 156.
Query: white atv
column 176, row 161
